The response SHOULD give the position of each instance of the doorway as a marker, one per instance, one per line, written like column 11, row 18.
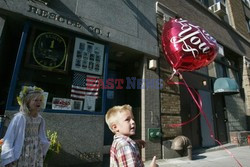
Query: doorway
column 220, row 118
column 207, row 120
column 124, row 71
column 189, row 110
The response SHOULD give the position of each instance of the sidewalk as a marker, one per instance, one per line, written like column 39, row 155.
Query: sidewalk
column 213, row 157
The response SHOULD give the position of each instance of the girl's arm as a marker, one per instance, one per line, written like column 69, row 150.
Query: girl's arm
column 13, row 140
column 43, row 137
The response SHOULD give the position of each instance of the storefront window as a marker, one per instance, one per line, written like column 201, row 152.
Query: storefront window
column 248, row 23
column 220, row 71
column 227, row 67
column 246, row 2
column 68, row 68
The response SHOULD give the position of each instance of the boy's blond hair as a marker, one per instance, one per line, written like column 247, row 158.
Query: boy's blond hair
column 111, row 115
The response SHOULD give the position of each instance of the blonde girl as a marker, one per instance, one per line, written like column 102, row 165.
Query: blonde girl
column 25, row 142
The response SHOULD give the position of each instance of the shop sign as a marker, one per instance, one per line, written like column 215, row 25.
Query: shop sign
column 49, row 50
column 61, row 103
column 68, row 21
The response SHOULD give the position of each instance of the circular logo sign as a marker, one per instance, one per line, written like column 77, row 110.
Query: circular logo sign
column 49, row 50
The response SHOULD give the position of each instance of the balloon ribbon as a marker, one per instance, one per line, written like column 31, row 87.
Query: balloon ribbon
column 201, row 112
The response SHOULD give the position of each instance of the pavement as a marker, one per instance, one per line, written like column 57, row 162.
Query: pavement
column 228, row 155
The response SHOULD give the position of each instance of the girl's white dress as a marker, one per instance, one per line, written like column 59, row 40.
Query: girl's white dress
column 31, row 155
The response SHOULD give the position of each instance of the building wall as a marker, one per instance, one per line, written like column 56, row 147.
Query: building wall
column 245, row 80
column 170, row 107
column 220, row 30
column 236, row 10
column 236, row 114
column 128, row 23
column 80, row 136
column 239, row 11
column 169, row 95
column 150, row 114
column 225, row 35
column 246, row 86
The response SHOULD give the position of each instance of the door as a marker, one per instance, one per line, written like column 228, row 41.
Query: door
column 123, row 96
column 207, row 125
column 188, row 111
column 220, row 118
column 112, row 99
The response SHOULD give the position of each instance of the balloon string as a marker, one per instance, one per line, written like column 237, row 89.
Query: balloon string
column 172, row 75
column 192, row 119
column 199, row 105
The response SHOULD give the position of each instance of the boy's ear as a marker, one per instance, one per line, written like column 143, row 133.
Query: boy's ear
column 113, row 127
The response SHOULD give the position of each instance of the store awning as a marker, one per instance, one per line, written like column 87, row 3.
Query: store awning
column 226, row 86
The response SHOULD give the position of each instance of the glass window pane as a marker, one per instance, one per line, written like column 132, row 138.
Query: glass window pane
column 220, row 70
column 233, row 74
column 47, row 63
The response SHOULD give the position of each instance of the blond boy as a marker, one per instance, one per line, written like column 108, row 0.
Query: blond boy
column 124, row 151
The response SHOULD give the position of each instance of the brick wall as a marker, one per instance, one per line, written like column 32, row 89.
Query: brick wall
column 236, row 106
column 236, row 113
column 246, row 86
column 236, row 10
column 170, row 95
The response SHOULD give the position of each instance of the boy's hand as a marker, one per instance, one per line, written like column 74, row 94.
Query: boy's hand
column 153, row 162
column 140, row 143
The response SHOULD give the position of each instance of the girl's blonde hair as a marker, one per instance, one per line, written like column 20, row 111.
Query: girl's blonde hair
column 111, row 115
column 26, row 95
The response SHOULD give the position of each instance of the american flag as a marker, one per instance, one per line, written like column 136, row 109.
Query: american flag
column 84, row 85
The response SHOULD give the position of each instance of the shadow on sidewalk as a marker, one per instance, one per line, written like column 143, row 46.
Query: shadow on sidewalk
column 197, row 157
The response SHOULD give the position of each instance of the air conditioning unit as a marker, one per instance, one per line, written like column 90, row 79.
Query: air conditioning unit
column 218, row 8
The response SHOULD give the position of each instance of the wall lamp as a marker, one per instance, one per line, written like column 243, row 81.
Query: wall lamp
column 152, row 64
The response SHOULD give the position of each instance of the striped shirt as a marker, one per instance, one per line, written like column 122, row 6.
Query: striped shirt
column 124, row 153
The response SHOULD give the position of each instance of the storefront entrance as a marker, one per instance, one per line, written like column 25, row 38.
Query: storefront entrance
column 124, row 72
column 220, row 118
column 188, row 111
column 199, row 130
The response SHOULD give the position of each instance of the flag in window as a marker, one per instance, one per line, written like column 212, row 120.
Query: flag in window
column 84, row 85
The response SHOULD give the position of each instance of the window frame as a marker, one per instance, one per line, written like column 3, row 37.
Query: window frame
column 246, row 2
column 248, row 24
column 21, row 58
column 228, row 66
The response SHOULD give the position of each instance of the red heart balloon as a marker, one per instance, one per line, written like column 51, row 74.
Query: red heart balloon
column 187, row 47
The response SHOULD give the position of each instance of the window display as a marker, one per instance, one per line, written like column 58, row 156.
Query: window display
column 84, row 85
column 88, row 57
column 47, row 59
column 61, row 104
column 47, row 51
